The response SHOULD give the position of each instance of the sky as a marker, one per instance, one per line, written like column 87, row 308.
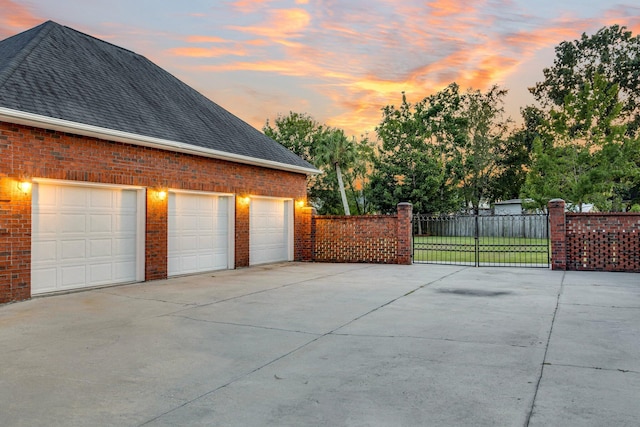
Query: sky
column 338, row 61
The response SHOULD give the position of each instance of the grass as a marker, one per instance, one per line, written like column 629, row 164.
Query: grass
column 491, row 250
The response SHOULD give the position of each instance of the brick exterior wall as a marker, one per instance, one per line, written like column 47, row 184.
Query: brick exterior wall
column 557, row 234
column 28, row 152
column 381, row 239
column 594, row 241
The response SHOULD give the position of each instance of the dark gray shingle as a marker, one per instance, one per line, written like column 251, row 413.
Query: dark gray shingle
column 55, row 71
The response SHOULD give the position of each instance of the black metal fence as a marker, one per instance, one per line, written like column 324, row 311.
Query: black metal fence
column 495, row 240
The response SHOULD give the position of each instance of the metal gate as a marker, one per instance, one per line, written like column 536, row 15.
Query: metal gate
column 482, row 240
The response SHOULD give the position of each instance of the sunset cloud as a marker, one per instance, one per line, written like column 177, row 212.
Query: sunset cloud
column 280, row 25
column 211, row 52
column 16, row 18
column 343, row 61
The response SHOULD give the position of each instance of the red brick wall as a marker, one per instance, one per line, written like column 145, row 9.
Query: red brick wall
column 156, row 236
column 242, row 231
column 594, row 241
column 558, row 234
column 382, row 239
column 603, row 241
column 27, row 152
column 303, row 220
column 15, row 239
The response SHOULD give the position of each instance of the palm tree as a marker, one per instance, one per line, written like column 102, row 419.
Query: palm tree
column 336, row 151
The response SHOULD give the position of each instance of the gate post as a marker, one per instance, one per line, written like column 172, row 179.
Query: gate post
column 405, row 218
column 558, row 232
column 304, row 233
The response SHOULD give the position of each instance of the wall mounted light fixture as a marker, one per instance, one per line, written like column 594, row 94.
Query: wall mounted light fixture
column 24, row 186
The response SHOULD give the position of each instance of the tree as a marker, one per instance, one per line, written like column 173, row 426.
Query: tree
column 408, row 167
column 358, row 177
column 612, row 53
column 445, row 149
column 482, row 144
column 299, row 133
column 329, row 150
column 336, row 151
column 515, row 156
column 580, row 157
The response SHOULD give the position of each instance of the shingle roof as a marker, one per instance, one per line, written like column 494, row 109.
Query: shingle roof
column 57, row 72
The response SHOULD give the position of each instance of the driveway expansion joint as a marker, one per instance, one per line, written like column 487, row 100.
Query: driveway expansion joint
column 245, row 325
column 546, row 351
column 595, row 368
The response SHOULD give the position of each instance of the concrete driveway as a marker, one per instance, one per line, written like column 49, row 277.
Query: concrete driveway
column 329, row 345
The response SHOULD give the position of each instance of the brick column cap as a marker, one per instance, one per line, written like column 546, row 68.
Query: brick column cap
column 556, row 203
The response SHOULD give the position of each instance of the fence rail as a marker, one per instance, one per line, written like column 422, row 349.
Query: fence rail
column 531, row 226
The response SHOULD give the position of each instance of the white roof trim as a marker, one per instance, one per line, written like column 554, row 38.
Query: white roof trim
column 36, row 120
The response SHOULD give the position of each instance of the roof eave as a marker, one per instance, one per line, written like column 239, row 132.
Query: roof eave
column 36, row 120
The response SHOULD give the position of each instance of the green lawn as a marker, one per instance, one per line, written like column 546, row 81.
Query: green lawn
column 492, row 250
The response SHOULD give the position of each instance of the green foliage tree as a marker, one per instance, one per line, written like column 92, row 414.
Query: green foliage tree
column 580, row 157
column 299, row 133
column 514, row 158
column 613, row 53
column 343, row 161
column 336, row 151
column 483, row 146
column 409, row 167
column 442, row 153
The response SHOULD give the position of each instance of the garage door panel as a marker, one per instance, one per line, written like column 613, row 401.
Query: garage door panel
column 45, row 223
column 124, row 269
column 124, row 247
column 72, row 223
column 126, row 223
column 100, row 223
column 100, row 273
column 80, row 239
column 99, row 248
column 73, row 250
column 72, row 197
column 44, row 251
column 198, row 233
column 45, row 276
column 73, row 276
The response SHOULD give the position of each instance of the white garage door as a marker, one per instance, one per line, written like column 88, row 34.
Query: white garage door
column 199, row 237
column 271, row 231
column 83, row 237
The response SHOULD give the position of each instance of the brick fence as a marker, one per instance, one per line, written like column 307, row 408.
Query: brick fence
column 594, row 241
column 382, row 239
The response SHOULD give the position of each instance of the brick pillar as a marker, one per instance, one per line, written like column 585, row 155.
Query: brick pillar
column 242, row 231
column 303, row 245
column 558, row 231
column 156, row 235
column 15, row 241
column 405, row 218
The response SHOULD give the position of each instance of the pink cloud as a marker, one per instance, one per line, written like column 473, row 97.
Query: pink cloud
column 16, row 18
column 280, row 25
column 211, row 52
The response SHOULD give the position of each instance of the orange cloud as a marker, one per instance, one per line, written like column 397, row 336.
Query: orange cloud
column 212, row 52
column 205, row 39
column 248, row 6
column 448, row 7
column 16, row 18
column 281, row 24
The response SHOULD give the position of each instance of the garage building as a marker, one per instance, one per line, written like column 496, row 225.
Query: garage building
column 114, row 171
